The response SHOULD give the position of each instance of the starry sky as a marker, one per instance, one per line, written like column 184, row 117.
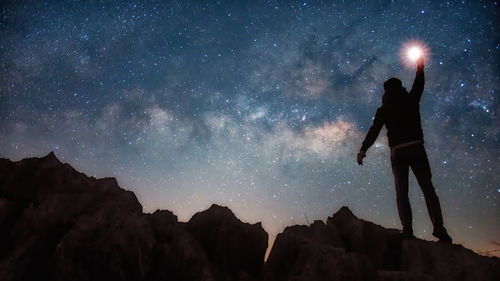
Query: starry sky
column 257, row 105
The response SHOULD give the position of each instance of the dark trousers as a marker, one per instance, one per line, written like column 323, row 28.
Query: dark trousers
column 402, row 159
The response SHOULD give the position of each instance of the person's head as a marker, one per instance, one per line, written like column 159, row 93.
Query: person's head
column 393, row 90
column 393, row 85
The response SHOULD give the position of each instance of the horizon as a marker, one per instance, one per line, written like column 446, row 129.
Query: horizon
column 271, row 238
column 258, row 106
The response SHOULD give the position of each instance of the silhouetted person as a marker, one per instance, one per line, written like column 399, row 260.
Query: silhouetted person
column 400, row 113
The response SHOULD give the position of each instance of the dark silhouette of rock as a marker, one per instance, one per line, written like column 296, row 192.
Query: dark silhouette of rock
column 229, row 243
column 348, row 248
column 58, row 224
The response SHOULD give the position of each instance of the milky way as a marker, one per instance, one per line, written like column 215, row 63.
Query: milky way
column 259, row 106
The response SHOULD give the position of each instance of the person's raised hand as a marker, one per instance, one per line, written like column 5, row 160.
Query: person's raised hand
column 420, row 63
column 361, row 155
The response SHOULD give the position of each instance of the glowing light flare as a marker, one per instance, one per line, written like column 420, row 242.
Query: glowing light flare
column 412, row 51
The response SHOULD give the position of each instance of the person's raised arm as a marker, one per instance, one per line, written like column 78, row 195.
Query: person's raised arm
column 372, row 135
column 418, row 85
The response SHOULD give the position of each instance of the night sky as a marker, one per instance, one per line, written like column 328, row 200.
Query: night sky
column 257, row 105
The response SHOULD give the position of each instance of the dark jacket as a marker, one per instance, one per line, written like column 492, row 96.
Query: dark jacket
column 400, row 113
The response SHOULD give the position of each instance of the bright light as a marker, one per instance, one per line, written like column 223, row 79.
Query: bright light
column 414, row 53
column 413, row 50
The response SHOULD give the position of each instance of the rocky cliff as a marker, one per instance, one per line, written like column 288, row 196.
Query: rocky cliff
column 59, row 224
column 348, row 248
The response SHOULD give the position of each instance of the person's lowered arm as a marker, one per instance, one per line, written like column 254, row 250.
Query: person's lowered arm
column 372, row 135
column 418, row 84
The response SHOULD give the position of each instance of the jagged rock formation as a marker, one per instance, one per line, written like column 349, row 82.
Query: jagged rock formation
column 235, row 247
column 348, row 248
column 58, row 224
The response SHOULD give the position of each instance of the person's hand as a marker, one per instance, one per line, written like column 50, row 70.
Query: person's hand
column 361, row 155
column 420, row 63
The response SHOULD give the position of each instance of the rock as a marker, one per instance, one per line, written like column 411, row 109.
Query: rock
column 315, row 253
column 440, row 261
column 236, row 248
column 382, row 246
column 348, row 248
column 58, row 224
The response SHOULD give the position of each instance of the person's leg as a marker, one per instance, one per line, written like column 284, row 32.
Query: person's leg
column 421, row 168
column 400, row 170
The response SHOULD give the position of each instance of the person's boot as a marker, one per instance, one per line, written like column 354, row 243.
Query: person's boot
column 441, row 233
